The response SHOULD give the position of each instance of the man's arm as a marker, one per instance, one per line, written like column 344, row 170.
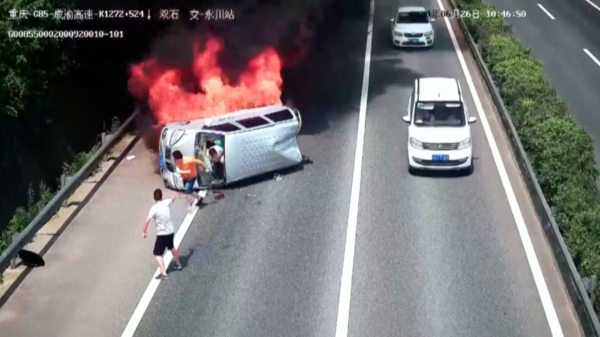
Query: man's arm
column 145, row 228
column 183, row 171
column 200, row 163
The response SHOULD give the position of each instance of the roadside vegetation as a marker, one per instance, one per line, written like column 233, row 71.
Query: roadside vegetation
column 30, row 69
column 38, row 197
column 561, row 152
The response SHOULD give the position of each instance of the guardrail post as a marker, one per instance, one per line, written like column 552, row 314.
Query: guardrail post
column 590, row 285
column 105, row 138
column 13, row 261
column 64, row 181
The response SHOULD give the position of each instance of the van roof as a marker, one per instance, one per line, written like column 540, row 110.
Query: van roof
column 408, row 9
column 228, row 117
column 438, row 89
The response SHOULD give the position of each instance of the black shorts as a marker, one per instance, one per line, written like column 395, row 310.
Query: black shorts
column 162, row 242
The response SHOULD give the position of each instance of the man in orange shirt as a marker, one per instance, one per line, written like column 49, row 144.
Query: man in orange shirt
column 186, row 166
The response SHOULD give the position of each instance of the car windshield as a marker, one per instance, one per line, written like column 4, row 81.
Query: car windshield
column 449, row 114
column 412, row 17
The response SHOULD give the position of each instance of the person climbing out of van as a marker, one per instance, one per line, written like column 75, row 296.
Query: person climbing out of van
column 186, row 167
column 217, row 158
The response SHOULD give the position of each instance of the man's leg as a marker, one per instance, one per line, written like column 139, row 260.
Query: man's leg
column 161, row 264
column 189, row 190
column 171, row 246
column 159, row 249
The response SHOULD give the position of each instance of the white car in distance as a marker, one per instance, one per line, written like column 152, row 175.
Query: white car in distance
column 411, row 27
column 439, row 132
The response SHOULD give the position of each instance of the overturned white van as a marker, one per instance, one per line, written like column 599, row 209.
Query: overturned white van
column 254, row 142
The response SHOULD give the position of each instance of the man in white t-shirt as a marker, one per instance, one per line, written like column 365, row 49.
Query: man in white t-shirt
column 217, row 158
column 161, row 213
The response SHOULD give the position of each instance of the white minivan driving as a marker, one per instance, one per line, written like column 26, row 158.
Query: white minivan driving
column 439, row 134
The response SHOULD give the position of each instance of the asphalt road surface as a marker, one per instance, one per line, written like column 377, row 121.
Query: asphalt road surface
column 564, row 36
column 436, row 255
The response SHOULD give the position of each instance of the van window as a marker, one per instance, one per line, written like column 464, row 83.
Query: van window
column 280, row 116
column 227, row 127
column 253, row 122
column 432, row 114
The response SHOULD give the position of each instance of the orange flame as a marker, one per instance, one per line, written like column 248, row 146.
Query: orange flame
column 172, row 101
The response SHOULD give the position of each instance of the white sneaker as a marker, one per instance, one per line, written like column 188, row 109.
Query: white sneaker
column 191, row 207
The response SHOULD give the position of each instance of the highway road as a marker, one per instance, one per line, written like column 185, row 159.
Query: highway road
column 564, row 36
column 433, row 255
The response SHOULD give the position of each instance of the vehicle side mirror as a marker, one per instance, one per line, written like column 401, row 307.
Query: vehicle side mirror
column 472, row 120
column 406, row 119
column 392, row 20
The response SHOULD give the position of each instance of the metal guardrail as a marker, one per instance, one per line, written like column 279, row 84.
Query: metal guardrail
column 23, row 238
column 576, row 289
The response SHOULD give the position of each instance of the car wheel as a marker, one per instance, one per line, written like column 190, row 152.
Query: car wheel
column 412, row 170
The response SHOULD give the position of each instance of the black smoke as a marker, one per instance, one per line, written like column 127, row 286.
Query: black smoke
column 289, row 26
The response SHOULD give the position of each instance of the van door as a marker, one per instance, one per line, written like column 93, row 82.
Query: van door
column 263, row 150
column 216, row 174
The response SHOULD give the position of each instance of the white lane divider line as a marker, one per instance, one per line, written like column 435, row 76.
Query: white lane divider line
column 142, row 306
column 343, row 315
column 593, row 4
column 592, row 56
column 534, row 264
column 546, row 11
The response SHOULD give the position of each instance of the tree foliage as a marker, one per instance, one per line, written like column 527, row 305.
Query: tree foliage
column 28, row 65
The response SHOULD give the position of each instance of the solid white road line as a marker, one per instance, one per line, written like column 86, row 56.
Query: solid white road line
column 343, row 316
column 142, row 306
column 593, row 4
column 546, row 11
column 534, row 264
column 592, row 56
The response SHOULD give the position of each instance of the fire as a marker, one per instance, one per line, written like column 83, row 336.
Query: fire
column 172, row 98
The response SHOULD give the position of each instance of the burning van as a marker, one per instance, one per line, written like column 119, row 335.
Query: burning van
column 251, row 142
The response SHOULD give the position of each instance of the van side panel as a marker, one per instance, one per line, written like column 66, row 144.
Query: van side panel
column 260, row 151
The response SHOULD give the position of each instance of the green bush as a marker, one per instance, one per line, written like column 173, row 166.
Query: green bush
column 584, row 244
column 559, row 149
column 521, row 78
column 575, row 196
column 561, row 152
column 70, row 169
column 483, row 28
column 584, row 240
column 38, row 199
column 504, row 47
